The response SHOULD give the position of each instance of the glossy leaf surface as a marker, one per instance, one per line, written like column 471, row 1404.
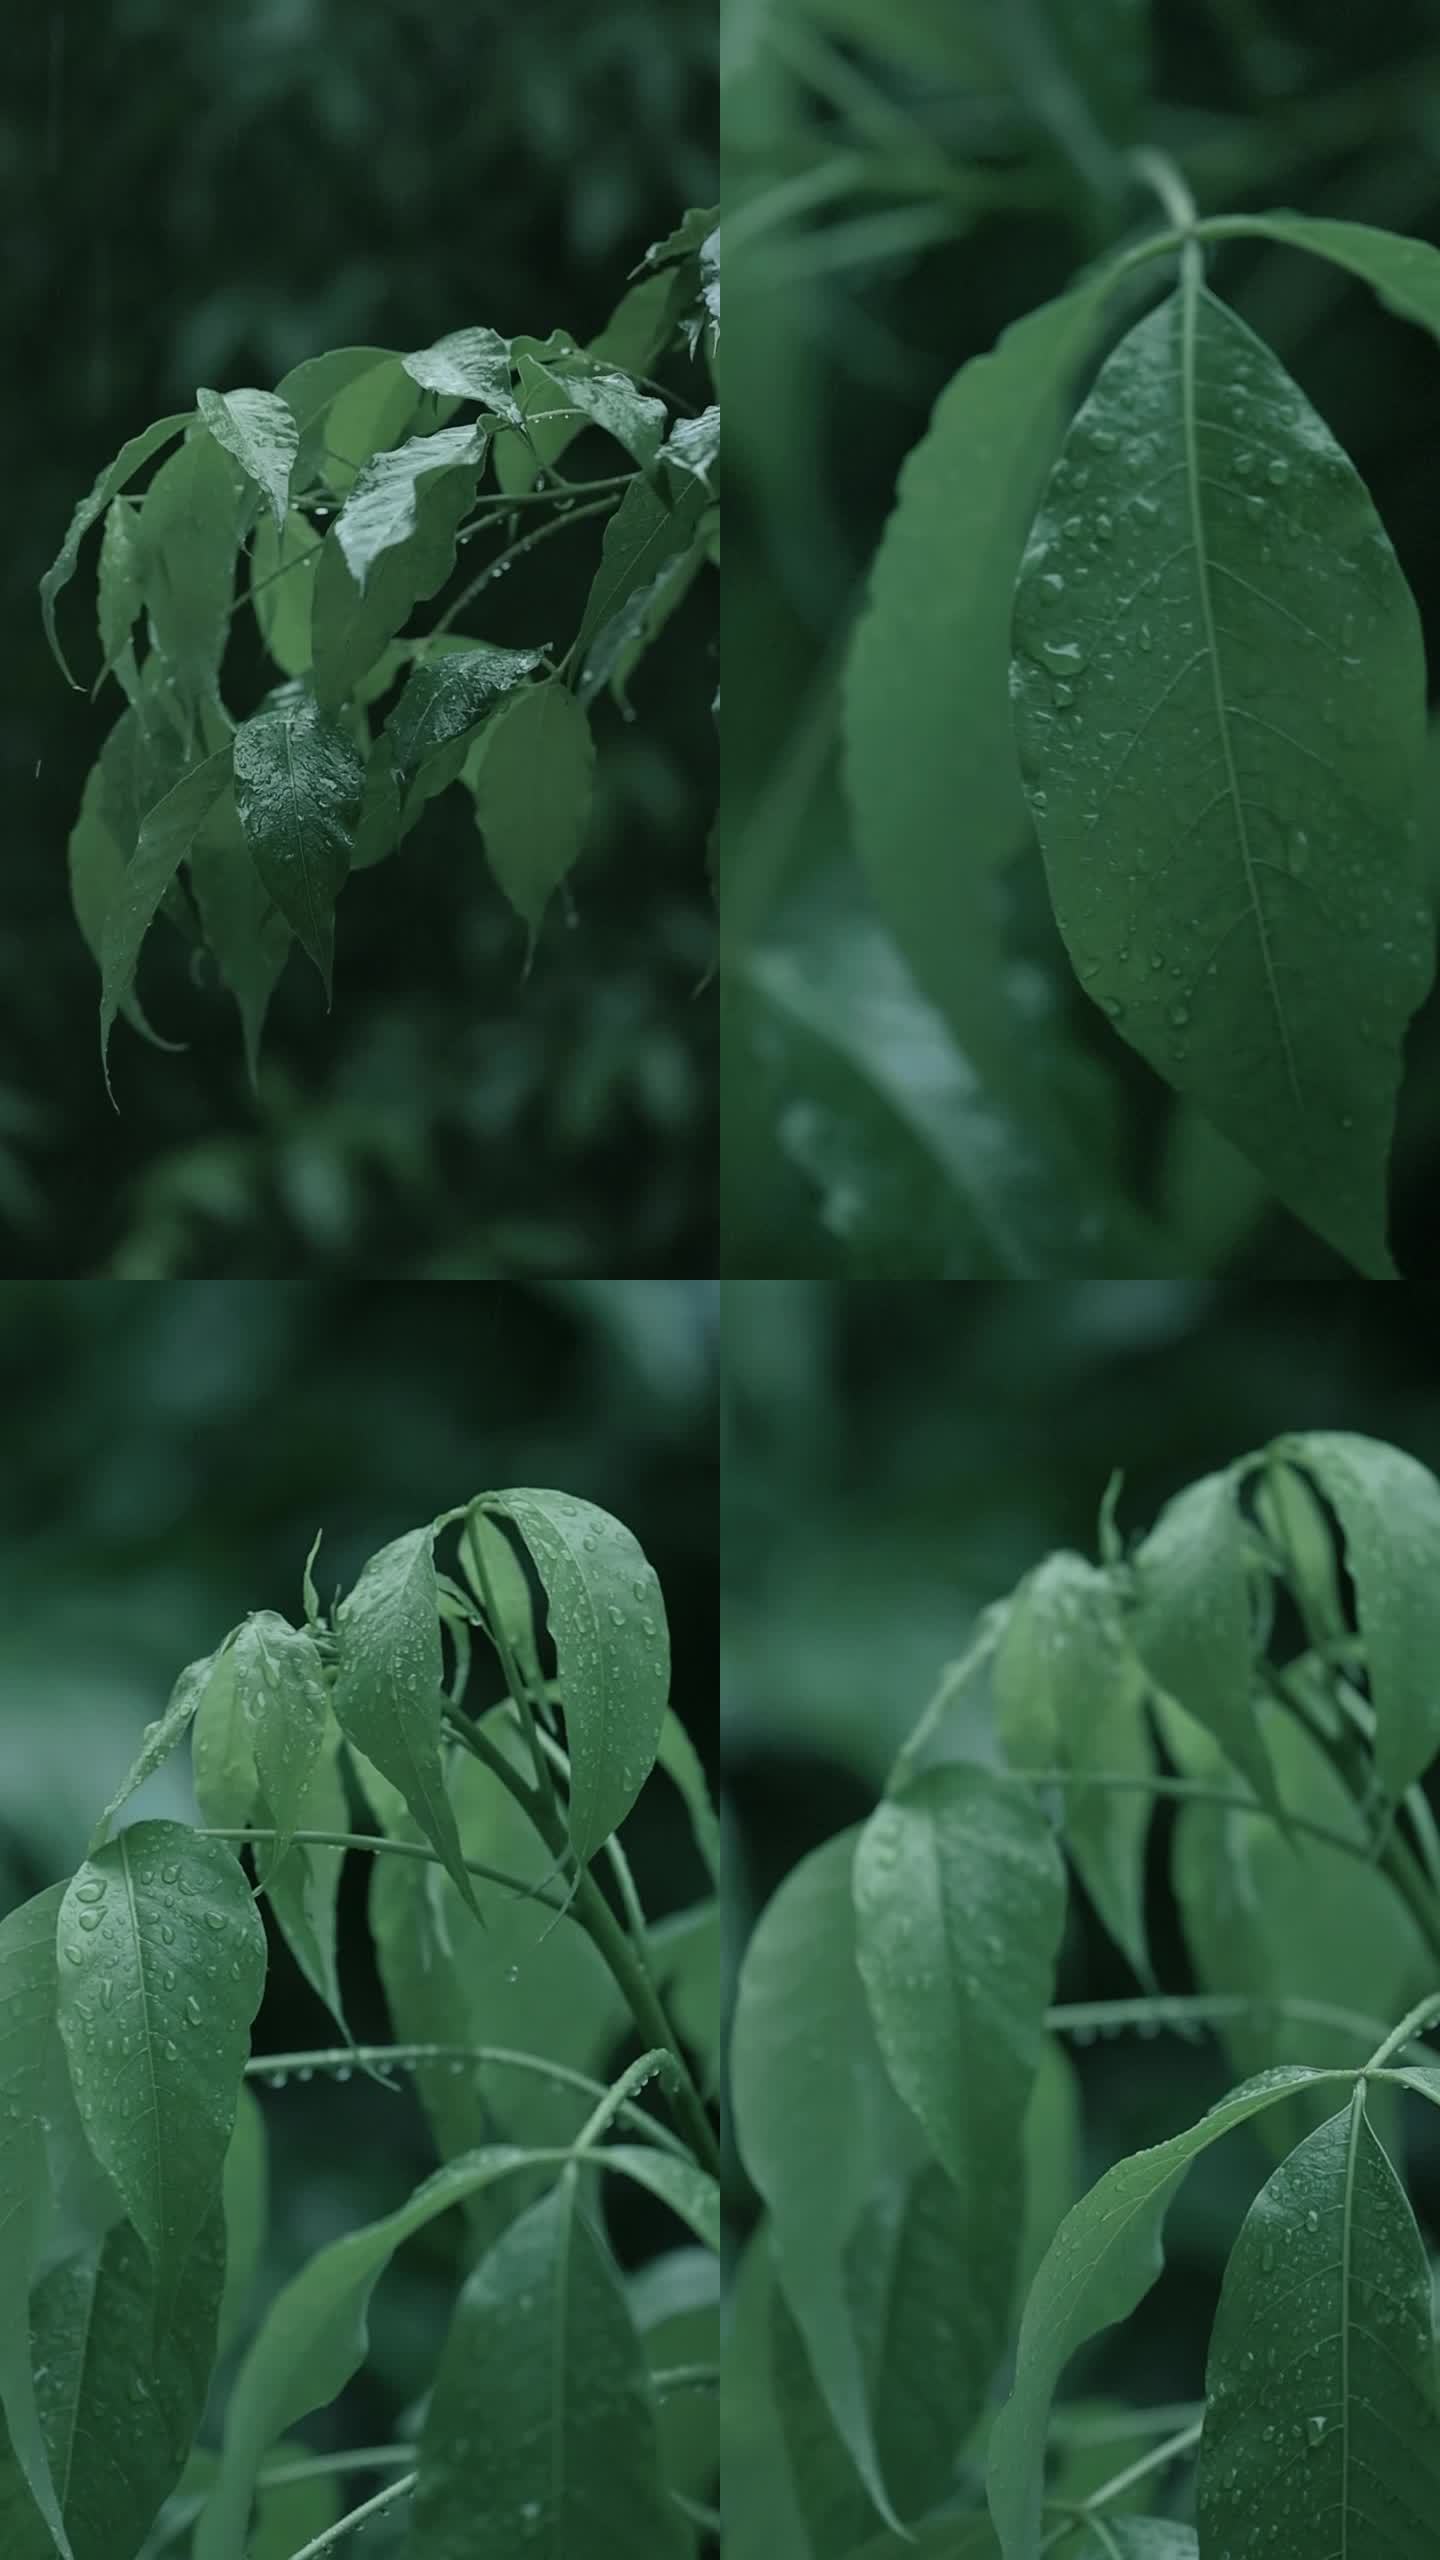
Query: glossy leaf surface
column 258, row 429
column 1192, row 1623
column 27, row 2036
column 470, row 364
column 131, row 458
column 298, row 785
column 283, row 1695
column 166, row 836
column 380, row 511
column 389, row 1695
column 1219, row 695
column 351, row 627
column 1388, row 1506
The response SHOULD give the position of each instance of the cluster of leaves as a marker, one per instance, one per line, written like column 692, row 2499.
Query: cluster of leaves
column 350, row 490
column 132, row 2153
column 1161, row 639
column 916, row 2148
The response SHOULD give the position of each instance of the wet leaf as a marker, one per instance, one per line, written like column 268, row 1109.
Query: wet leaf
column 562, row 391
column 299, row 784
column 380, row 512
column 27, row 2036
column 532, row 774
column 189, row 534
column 244, row 928
column 160, row 1740
column 642, row 535
column 282, row 1691
column 166, row 836
column 352, row 627
column 130, row 459
column 258, row 429
column 1192, row 1623
column 1388, row 1506
column 471, row 364
column 282, row 588
column 389, row 1691
column 443, row 700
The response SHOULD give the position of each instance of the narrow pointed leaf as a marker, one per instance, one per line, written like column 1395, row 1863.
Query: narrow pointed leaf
column 544, row 2365
column 162, row 1964
column 27, row 2037
column 1103, row 2260
column 612, row 1649
column 97, row 873
column 379, row 512
column 471, row 364
column 299, row 784
column 680, row 1760
column 245, row 2197
column 283, row 1695
column 1192, row 1624
column 533, row 777
column 1322, row 2418
column 1229, row 829
column 121, row 590
column 1403, row 273
column 304, row 1893
column 1388, row 1506
column 258, row 428
column 165, row 839
column 160, row 1739
column 389, row 1693
column 245, row 929
column 640, row 537
column 130, row 459
column 190, row 526
column 222, row 1753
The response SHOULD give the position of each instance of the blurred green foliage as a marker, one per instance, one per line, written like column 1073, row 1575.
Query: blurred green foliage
column 903, row 179
column 200, row 196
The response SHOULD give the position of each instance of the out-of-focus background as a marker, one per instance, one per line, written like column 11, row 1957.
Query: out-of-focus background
column 897, row 1457
column 904, row 179
column 170, row 1454
column 207, row 196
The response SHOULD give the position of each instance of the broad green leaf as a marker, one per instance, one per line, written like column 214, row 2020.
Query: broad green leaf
column 290, row 2514
column 142, row 759
column 1322, row 2419
column 258, row 429
column 130, row 459
column 620, row 643
column 598, row 396
column 1071, row 1695
column 493, row 1568
column 222, row 1757
column 380, row 512
column 612, row 1650
column 352, row 629
column 282, row 588
column 1051, row 2143
column 443, row 700
column 1103, row 2260
column 935, row 791
column 1221, row 727
column 372, row 411
column 1388, row 1506
column 310, row 391
column 298, row 787
column 544, row 2364
column 1192, row 1623
column 27, row 2036
column 281, row 1687
column 680, row 1760
column 1404, row 274
column 471, row 364
column 966, row 2538
column 166, row 836
column 304, row 1894
column 246, row 931
column 389, row 1692
column 162, row 1964
column 120, row 594
column 685, row 1948
column 245, row 2196
column 97, row 869
column 121, row 2392
column 532, row 774
column 159, row 1740
column 643, row 533
column 762, row 2519
column 1276, row 1918
column 190, row 533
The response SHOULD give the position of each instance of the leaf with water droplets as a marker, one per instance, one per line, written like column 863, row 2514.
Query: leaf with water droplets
column 304, row 1894
column 159, row 1740
column 281, row 1688
column 1192, row 1623
column 1220, row 730
column 299, row 784
column 380, row 512
column 545, row 2366
column 258, row 429
column 122, row 2389
column 1388, row 1506
column 27, row 2036
column 612, row 1650
column 1103, row 2260
column 111, row 480
column 245, row 2196
column 156, row 2025
column 532, row 773
column 166, row 835
column 389, row 1692
column 1322, row 2418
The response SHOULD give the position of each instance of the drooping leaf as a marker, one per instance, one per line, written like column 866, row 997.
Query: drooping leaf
column 1322, row 2417
column 121, row 2391
column 245, row 929
column 389, row 1692
column 443, row 700
column 130, row 459
column 500, row 1584
column 543, row 2364
column 380, row 512
column 1103, row 2260
column 245, row 2197
column 299, row 784
column 281, row 1687
column 282, row 588
column 620, row 643
column 166, row 836
column 351, row 627
column 1228, row 828
column 97, row 870
column 567, row 388
column 258, row 429
column 612, row 1649
column 1192, row 1623
column 374, row 410
column 532, row 774
column 162, row 1964
column 680, row 1760
column 27, row 2035
column 693, row 444
column 310, row 391
column 1388, row 1506
column 160, row 1739
column 190, row 533
column 471, row 364
column 120, row 594
column 1071, row 1694
column 221, row 1752
column 305, row 1893
column 640, row 537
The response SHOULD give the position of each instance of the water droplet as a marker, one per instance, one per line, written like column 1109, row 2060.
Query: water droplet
column 169, row 1874
column 172, row 2049
column 1051, row 586
column 75, row 1955
column 1157, row 959
column 1244, row 465
column 512, row 1973
column 276, row 2079
column 1298, row 851
column 1114, row 1008
column 93, row 1890
column 215, row 1920
column 617, row 1615
column 1065, row 656
column 107, row 1994
column 1315, row 2429
column 1312, row 2220
column 1277, row 473
column 1145, row 637
column 193, row 2010
column 1179, row 1015
column 89, row 1920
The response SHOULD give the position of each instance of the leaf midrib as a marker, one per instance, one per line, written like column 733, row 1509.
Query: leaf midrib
column 1190, row 282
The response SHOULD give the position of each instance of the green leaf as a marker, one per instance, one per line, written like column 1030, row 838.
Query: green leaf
column 97, row 870
column 1254, row 920
column 442, row 702
column 936, row 797
column 282, row 588
column 259, row 430
column 532, row 774
column 311, row 390
column 1404, row 274
column 162, row 1964
column 544, row 2362
column 483, row 1544
column 380, row 512
column 282, row 1692
column 110, row 481
column 1051, row 2143
column 27, row 2036
column 1322, row 2419
column 165, row 839
column 299, row 784
column 641, row 536
column 371, row 412
column 246, row 931
column 1192, row 1624
column 389, row 1691
column 567, row 389
column 1102, row 2262
column 304, row 1894
column 121, row 591
column 685, row 1947
column 693, row 445
column 762, row 2518
column 1388, row 1506
column 471, row 364
column 680, row 1760
column 612, row 1650
column 222, row 1757
column 353, row 628
column 245, row 2195
column 121, row 2388
column 190, row 532
column 1071, row 1694
column 160, row 1739
column 620, row 643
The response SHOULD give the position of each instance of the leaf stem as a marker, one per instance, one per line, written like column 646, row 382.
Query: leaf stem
column 1192, row 1789
column 1424, row 2014
column 358, row 2516
column 502, row 560
column 266, row 2066
column 1158, row 170
column 384, row 1847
